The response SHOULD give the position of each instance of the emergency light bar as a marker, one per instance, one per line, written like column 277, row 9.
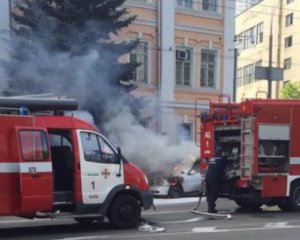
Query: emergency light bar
column 39, row 104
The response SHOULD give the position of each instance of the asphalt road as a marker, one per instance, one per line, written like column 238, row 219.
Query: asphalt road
column 175, row 217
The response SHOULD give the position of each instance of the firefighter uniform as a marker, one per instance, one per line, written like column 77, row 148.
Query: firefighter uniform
column 213, row 179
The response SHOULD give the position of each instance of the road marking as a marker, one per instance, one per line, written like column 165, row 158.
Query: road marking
column 204, row 230
column 88, row 237
column 276, row 225
column 269, row 227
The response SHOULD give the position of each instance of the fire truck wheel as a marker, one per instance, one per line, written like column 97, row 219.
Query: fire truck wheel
column 125, row 212
column 175, row 191
column 294, row 199
column 248, row 205
column 84, row 221
column 284, row 206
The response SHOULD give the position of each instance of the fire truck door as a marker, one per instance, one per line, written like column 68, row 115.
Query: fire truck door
column 100, row 167
column 35, row 166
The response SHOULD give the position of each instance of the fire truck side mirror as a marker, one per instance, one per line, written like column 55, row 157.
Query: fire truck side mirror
column 119, row 154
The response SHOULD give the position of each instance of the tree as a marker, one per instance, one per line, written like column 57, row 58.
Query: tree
column 67, row 47
column 291, row 91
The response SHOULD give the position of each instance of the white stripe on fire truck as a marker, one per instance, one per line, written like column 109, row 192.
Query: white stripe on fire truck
column 25, row 167
column 294, row 160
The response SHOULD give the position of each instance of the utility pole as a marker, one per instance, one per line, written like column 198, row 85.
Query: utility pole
column 270, row 62
column 236, row 51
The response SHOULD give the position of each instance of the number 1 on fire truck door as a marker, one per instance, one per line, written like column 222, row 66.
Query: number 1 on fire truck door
column 99, row 167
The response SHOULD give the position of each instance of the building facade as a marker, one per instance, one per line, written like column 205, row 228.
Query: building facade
column 186, row 52
column 266, row 29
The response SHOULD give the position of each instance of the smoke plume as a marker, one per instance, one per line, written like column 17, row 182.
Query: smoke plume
column 149, row 150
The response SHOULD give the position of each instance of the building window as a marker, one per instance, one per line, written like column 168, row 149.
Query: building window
column 288, row 41
column 289, row 1
column 183, row 67
column 289, row 19
column 184, row 132
column 239, row 77
column 208, row 68
column 209, row 5
column 185, row 3
column 249, row 38
column 287, row 63
column 248, row 74
column 259, row 33
column 140, row 55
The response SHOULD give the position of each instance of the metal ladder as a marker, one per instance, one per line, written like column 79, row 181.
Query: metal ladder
column 247, row 146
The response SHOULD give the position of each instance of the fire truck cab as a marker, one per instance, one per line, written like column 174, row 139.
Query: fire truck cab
column 260, row 138
column 59, row 166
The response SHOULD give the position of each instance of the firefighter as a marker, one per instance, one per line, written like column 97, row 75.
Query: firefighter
column 213, row 178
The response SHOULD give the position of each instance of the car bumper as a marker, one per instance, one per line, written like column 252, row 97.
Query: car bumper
column 160, row 190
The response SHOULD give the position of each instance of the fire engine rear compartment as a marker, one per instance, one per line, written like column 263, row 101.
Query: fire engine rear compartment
column 272, row 152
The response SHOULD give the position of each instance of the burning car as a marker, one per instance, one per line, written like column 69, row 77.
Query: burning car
column 185, row 179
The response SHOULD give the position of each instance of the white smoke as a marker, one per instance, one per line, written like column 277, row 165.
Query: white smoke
column 82, row 115
column 3, row 56
column 150, row 151
column 3, row 81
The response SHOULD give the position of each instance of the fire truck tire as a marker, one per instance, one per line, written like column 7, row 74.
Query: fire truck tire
column 125, row 212
column 294, row 199
column 248, row 205
column 175, row 191
column 284, row 206
column 84, row 221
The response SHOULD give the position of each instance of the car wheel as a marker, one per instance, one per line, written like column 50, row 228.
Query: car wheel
column 125, row 212
column 175, row 191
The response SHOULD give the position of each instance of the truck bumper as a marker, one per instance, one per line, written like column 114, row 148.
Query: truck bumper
column 147, row 199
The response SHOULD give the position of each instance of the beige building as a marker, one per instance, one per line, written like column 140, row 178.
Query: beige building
column 268, row 26
column 186, row 53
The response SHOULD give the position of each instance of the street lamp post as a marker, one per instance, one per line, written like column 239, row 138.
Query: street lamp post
column 270, row 63
column 235, row 74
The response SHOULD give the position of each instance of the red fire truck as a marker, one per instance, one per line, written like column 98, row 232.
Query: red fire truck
column 261, row 140
column 57, row 166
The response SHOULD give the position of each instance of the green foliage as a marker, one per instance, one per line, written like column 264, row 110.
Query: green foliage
column 291, row 91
